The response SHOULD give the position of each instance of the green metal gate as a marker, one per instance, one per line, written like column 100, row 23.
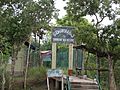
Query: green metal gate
column 63, row 58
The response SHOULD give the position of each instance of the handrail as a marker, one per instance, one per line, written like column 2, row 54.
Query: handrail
column 100, row 88
column 68, row 87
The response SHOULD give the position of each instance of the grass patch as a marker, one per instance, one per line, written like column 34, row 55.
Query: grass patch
column 37, row 73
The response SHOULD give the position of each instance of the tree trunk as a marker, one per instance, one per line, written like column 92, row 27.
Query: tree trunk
column 26, row 68
column 39, row 54
column 3, row 81
column 112, row 84
column 4, row 78
column 3, row 73
column 14, row 58
column 35, row 55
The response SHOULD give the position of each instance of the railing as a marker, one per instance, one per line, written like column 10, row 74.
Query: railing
column 68, row 86
column 100, row 88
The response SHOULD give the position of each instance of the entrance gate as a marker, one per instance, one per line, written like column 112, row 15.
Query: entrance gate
column 63, row 35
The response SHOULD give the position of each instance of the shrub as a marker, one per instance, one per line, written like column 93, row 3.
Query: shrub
column 37, row 72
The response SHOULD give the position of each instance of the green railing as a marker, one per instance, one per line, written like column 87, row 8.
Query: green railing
column 68, row 86
column 100, row 88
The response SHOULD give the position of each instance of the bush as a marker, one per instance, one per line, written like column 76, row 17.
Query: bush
column 7, row 77
column 37, row 73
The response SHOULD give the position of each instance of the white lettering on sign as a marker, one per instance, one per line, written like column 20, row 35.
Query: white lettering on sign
column 63, row 40
column 57, row 32
column 63, row 35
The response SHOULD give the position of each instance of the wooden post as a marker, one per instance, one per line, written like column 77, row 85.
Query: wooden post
column 70, row 59
column 76, row 61
column 56, row 85
column 27, row 65
column 53, row 55
column 48, row 85
column 83, row 62
column 62, row 83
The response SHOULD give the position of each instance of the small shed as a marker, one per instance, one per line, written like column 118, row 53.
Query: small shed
column 46, row 57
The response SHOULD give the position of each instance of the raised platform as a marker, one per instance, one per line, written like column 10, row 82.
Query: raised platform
column 76, row 83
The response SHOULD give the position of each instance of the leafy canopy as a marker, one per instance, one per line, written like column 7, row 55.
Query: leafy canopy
column 20, row 17
column 102, row 38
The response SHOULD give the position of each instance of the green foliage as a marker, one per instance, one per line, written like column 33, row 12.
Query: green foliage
column 38, row 73
column 7, row 78
column 5, row 46
column 117, row 73
column 21, row 17
column 93, row 36
column 84, row 33
column 91, row 7
column 102, row 38
column 96, row 36
column 47, row 45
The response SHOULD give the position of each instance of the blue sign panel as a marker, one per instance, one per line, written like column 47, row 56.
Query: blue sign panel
column 54, row 73
column 63, row 35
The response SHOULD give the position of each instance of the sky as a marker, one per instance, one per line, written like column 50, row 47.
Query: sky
column 60, row 4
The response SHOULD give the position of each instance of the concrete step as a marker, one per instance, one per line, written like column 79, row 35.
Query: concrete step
column 82, row 89
column 84, row 83
column 85, row 86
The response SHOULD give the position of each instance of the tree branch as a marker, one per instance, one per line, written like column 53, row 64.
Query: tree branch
column 94, row 51
column 98, row 19
column 102, row 19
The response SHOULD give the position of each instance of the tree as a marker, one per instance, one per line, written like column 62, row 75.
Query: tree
column 4, row 56
column 99, row 38
column 19, row 18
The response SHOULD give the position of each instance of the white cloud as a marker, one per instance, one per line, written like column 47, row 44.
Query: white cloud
column 60, row 4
